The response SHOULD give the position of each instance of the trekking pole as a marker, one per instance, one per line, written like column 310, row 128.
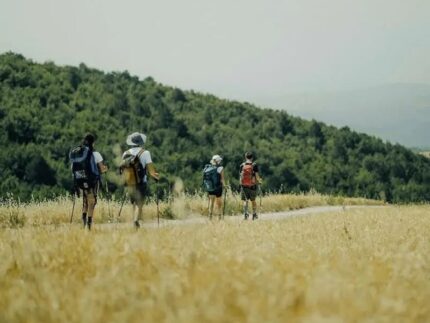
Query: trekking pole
column 261, row 193
column 73, row 208
column 240, row 199
column 223, row 207
column 107, row 199
column 209, row 205
column 158, row 204
column 122, row 204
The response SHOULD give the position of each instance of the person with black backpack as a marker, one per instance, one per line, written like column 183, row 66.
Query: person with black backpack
column 213, row 183
column 136, row 163
column 249, row 180
column 87, row 166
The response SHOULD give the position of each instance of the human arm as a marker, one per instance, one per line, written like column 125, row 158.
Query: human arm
column 257, row 174
column 146, row 160
column 222, row 179
column 152, row 172
column 258, row 178
column 102, row 167
column 100, row 162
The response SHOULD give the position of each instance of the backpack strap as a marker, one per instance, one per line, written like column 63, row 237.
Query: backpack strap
column 93, row 165
column 138, row 159
column 248, row 163
column 140, row 153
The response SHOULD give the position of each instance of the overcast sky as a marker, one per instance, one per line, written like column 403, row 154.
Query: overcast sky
column 238, row 49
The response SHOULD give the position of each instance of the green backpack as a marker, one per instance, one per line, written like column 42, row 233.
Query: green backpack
column 211, row 178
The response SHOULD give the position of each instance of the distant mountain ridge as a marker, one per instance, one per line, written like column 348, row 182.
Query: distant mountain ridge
column 425, row 153
column 46, row 109
column 399, row 113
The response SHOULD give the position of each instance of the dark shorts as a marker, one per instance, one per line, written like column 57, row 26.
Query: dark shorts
column 217, row 193
column 248, row 193
column 138, row 193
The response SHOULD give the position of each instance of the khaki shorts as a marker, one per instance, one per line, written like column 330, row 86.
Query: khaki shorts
column 138, row 193
column 89, row 197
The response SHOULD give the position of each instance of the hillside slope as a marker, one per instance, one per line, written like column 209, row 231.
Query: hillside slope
column 45, row 110
column 395, row 112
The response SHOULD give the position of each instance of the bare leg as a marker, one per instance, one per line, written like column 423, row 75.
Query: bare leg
column 211, row 205
column 254, row 210
column 91, row 203
column 218, row 202
column 84, row 208
column 137, row 213
column 245, row 209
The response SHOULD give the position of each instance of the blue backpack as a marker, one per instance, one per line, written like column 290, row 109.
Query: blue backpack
column 211, row 178
column 84, row 169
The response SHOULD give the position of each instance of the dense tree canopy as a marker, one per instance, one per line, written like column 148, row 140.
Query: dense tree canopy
column 46, row 109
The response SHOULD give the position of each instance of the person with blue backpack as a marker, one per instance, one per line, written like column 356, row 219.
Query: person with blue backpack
column 87, row 166
column 213, row 183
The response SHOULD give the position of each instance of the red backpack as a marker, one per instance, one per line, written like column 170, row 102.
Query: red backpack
column 247, row 175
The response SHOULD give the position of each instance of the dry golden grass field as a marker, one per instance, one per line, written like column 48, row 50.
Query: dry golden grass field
column 179, row 206
column 358, row 265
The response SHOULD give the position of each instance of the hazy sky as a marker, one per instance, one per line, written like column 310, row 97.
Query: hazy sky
column 232, row 48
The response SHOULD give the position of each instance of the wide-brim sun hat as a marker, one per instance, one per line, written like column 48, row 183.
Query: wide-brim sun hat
column 136, row 139
column 217, row 158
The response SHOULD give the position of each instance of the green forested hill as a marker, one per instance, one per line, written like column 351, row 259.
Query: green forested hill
column 46, row 109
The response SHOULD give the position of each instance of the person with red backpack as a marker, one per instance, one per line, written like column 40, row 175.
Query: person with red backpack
column 87, row 166
column 249, row 180
column 136, row 163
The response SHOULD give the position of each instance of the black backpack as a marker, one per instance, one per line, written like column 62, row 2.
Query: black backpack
column 211, row 178
column 84, row 168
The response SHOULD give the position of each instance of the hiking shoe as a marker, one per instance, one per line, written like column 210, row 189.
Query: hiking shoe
column 246, row 216
column 89, row 222
column 254, row 216
column 136, row 224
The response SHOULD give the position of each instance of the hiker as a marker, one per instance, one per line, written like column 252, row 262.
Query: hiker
column 249, row 180
column 87, row 167
column 213, row 182
column 137, row 162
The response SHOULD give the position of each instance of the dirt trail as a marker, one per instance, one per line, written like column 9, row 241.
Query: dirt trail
column 262, row 217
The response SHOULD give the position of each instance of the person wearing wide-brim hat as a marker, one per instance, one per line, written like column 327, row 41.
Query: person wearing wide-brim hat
column 137, row 141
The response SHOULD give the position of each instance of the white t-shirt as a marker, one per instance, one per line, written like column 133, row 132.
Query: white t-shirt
column 145, row 158
column 219, row 169
column 97, row 157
